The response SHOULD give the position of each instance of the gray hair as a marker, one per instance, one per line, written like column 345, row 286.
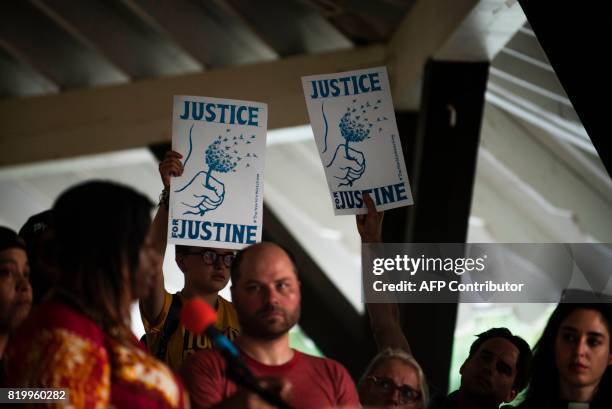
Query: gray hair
column 403, row 356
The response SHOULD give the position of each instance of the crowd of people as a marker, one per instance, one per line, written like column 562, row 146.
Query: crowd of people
column 67, row 282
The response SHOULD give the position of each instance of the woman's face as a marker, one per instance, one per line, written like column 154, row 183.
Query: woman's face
column 388, row 385
column 147, row 272
column 15, row 289
column 582, row 349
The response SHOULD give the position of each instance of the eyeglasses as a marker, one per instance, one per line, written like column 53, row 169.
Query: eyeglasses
column 388, row 387
column 209, row 257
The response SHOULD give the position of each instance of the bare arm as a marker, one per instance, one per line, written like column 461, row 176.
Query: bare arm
column 384, row 318
column 384, row 321
column 152, row 305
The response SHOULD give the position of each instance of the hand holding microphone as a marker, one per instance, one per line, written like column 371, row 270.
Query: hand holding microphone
column 199, row 317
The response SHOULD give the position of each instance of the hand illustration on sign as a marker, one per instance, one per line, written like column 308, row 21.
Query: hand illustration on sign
column 204, row 192
column 349, row 164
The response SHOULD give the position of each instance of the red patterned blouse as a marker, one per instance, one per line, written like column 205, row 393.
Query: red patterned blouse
column 58, row 347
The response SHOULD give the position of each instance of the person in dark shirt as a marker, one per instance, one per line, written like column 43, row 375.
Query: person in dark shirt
column 495, row 371
column 572, row 360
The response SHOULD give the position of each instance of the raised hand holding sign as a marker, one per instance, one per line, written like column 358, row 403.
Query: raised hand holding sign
column 362, row 153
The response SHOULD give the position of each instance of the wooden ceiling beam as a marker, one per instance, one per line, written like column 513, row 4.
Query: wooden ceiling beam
column 291, row 27
column 138, row 114
column 209, row 33
column 120, row 37
column 52, row 51
column 26, row 80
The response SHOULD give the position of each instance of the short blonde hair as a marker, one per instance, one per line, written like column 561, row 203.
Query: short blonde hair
column 403, row 356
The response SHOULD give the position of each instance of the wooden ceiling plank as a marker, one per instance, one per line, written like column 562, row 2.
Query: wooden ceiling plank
column 73, row 31
column 120, row 36
column 164, row 17
column 51, row 50
column 46, row 79
column 290, row 27
column 18, row 78
column 205, row 31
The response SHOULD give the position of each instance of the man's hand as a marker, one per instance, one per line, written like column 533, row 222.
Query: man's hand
column 171, row 166
column 369, row 225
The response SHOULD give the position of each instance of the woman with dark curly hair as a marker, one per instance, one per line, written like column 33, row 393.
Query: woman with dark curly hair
column 80, row 337
column 571, row 364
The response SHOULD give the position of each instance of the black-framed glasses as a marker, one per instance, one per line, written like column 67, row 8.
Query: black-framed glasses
column 210, row 257
column 385, row 385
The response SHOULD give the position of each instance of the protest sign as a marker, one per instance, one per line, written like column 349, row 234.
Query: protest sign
column 217, row 201
column 353, row 121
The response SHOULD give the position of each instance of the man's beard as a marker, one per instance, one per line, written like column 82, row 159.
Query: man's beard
column 268, row 328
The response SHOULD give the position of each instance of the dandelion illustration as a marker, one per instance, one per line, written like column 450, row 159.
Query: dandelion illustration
column 355, row 126
column 353, row 130
column 218, row 159
column 221, row 156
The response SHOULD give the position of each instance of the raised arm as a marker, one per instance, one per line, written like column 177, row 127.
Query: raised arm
column 152, row 305
column 384, row 318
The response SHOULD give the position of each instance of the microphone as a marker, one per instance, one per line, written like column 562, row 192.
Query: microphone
column 199, row 317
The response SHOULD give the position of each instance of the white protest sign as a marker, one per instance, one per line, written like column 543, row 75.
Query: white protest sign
column 217, row 201
column 353, row 121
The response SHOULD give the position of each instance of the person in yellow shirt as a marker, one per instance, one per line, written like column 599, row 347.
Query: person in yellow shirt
column 206, row 270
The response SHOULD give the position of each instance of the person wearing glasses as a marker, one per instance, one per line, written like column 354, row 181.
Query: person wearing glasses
column 495, row 371
column 206, row 271
column 393, row 379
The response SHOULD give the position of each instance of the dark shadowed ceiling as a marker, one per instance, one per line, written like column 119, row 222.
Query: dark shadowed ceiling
column 48, row 46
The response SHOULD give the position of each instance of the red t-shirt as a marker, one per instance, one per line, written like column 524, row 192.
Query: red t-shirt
column 316, row 383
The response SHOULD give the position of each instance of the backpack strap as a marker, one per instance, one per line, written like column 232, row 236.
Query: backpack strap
column 169, row 327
